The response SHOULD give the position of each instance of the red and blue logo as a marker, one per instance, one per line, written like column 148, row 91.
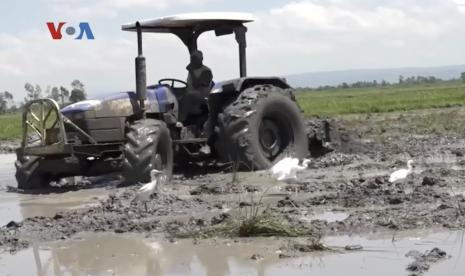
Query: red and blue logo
column 84, row 30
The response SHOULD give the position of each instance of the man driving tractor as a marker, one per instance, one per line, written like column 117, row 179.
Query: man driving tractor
column 199, row 83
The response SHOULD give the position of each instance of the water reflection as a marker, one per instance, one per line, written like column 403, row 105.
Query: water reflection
column 17, row 206
column 113, row 254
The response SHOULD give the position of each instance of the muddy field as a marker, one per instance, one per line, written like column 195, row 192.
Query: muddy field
column 344, row 193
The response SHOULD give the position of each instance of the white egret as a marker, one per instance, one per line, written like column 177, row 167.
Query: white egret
column 158, row 179
column 402, row 173
column 287, row 168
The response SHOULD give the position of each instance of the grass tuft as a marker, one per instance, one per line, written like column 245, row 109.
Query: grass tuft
column 265, row 225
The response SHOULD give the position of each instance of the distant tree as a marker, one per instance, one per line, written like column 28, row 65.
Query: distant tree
column 47, row 91
column 8, row 95
column 77, row 93
column 3, row 104
column 64, row 95
column 421, row 79
column 401, row 79
column 13, row 108
column 30, row 92
column 76, row 96
column 33, row 93
column 432, row 79
column 345, row 85
column 5, row 99
column 54, row 93
column 410, row 80
column 38, row 92
column 462, row 76
column 64, row 92
column 77, row 84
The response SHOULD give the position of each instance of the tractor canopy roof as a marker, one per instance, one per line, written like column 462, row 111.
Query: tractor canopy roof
column 204, row 21
column 189, row 26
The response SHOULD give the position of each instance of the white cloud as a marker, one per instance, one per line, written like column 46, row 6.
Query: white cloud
column 105, row 64
column 309, row 15
column 460, row 5
column 87, row 9
column 159, row 4
column 314, row 35
column 47, row 62
column 70, row 11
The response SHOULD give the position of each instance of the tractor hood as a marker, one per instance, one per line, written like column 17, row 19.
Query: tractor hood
column 121, row 104
column 118, row 104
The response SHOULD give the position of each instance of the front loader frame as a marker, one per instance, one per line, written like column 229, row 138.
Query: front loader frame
column 45, row 124
column 43, row 129
column 45, row 136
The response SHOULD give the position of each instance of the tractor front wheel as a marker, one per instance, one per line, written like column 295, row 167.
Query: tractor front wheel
column 28, row 174
column 148, row 147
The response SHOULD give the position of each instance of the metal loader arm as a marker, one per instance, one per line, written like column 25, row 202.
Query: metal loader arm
column 37, row 117
column 42, row 118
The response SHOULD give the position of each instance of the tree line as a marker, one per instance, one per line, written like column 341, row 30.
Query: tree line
column 403, row 81
column 62, row 95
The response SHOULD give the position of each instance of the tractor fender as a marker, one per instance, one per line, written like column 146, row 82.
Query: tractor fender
column 240, row 84
column 162, row 100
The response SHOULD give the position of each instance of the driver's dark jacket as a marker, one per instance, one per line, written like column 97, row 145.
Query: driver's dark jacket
column 199, row 80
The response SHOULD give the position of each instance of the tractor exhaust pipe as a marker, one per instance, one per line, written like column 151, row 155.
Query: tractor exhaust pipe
column 240, row 38
column 141, row 76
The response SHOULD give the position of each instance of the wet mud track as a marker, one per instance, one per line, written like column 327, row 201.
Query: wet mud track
column 345, row 191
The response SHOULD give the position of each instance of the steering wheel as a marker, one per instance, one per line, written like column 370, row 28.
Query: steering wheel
column 173, row 81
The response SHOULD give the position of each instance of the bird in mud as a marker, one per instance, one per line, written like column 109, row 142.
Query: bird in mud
column 157, row 180
column 402, row 173
column 287, row 168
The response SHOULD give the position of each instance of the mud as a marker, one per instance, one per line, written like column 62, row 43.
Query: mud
column 423, row 261
column 345, row 190
column 9, row 146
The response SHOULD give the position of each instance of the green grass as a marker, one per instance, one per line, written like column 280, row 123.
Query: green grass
column 421, row 121
column 339, row 102
column 378, row 100
column 10, row 126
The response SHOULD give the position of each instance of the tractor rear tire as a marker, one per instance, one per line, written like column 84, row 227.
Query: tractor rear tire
column 149, row 146
column 260, row 127
column 28, row 175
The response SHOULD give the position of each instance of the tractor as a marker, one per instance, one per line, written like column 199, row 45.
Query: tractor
column 256, row 120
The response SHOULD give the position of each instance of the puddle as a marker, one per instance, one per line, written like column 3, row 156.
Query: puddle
column 330, row 216
column 113, row 254
column 14, row 206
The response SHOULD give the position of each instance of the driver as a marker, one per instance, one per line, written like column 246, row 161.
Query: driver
column 199, row 82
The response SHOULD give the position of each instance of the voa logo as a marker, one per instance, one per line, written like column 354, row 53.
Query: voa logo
column 55, row 29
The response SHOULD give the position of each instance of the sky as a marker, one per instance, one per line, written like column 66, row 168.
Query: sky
column 287, row 37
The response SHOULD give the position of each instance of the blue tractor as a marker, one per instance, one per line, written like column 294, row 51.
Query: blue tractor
column 248, row 121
